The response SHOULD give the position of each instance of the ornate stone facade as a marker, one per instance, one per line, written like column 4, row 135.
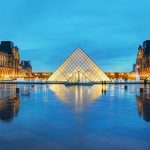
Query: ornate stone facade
column 9, row 60
column 26, row 66
column 143, row 60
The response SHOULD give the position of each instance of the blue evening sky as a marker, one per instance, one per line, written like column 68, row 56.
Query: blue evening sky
column 47, row 31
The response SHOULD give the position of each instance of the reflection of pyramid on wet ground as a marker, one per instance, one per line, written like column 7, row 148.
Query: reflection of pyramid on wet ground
column 78, row 93
column 78, row 97
column 78, row 68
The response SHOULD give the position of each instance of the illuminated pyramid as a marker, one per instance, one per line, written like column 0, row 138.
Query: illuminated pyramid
column 78, row 68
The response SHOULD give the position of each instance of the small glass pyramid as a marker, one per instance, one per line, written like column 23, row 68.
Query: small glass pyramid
column 78, row 68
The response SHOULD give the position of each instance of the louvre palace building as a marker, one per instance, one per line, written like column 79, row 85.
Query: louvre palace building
column 9, row 59
column 143, row 60
column 10, row 67
column 78, row 67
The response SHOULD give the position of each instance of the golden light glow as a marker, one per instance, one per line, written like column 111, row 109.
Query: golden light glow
column 66, row 93
column 78, row 67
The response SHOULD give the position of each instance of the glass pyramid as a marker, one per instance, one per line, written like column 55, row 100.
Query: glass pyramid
column 78, row 68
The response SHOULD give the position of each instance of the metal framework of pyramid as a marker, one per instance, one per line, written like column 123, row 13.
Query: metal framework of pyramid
column 78, row 68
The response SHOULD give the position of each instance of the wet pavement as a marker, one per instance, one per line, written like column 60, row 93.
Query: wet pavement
column 59, row 117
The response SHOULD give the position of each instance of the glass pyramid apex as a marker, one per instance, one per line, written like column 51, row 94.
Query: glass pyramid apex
column 78, row 68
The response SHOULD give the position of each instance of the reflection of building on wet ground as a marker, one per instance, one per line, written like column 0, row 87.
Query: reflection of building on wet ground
column 7, row 91
column 143, row 102
column 9, row 102
column 78, row 96
column 9, row 108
